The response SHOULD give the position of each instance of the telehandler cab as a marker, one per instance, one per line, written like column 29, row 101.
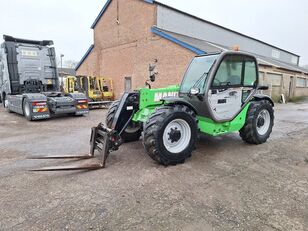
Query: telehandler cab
column 218, row 95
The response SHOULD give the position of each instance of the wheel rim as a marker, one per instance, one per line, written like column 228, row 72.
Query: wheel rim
column 263, row 122
column 132, row 128
column 27, row 109
column 177, row 136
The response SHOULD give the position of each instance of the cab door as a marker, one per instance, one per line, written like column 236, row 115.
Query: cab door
column 225, row 94
column 233, row 84
column 250, row 79
column 228, row 92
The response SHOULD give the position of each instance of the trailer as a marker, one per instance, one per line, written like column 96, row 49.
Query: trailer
column 29, row 81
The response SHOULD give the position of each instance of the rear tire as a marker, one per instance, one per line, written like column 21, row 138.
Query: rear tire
column 132, row 132
column 6, row 104
column 27, row 109
column 170, row 134
column 259, row 122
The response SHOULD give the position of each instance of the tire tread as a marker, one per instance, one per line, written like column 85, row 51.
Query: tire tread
column 248, row 133
column 151, row 128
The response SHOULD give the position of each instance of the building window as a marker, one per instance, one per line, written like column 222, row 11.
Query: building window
column 261, row 78
column 128, row 84
column 294, row 59
column 274, row 79
column 300, row 82
column 276, row 54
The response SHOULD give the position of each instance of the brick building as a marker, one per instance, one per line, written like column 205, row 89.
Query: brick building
column 131, row 34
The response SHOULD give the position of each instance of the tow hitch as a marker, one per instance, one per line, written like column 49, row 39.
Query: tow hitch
column 103, row 140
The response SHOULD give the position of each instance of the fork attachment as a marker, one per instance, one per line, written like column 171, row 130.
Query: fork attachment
column 103, row 140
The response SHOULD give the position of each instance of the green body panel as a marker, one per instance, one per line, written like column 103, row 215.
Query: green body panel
column 210, row 127
column 144, row 114
column 151, row 99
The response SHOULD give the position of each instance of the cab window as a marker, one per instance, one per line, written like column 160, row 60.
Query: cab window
column 250, row 74
column 229, row 72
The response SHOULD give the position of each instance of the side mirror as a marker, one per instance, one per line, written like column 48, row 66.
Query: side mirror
column 265, row 88
column 152, row 73
column 153, row 77
column 194, row 91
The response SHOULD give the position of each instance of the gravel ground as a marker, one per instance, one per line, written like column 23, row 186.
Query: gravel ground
column 226, row 185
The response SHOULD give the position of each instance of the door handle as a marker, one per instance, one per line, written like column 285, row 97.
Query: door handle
column 222, row 101
column 233, row 93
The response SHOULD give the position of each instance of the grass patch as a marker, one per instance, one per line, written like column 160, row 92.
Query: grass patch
column 276, row 99
column 297, row 99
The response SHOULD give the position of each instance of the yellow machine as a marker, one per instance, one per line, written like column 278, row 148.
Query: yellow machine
column 98, row 89
column 70, row 85
column 106, row 86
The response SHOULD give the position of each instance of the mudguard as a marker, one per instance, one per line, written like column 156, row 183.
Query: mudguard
column 259, row 97
column 178, row 100
column 38, row 112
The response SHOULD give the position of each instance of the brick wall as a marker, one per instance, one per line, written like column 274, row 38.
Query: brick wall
column 90, row 66
column 126, row 49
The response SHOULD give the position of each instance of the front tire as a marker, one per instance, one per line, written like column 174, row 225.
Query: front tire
column 259, row 122
column 132, row 132
column 170, row 134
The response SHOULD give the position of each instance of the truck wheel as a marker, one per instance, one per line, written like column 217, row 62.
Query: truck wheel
column 170, row 134
column 27, row 110
column 6, row 104
column 131, row 133
column 259, row 122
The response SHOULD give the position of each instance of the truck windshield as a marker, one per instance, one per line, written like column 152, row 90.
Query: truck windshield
column 197, row 72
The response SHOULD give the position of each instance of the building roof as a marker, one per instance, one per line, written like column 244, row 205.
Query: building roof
column 199, row 46
column 190, row 15
column 222, row 27
column 66, row 71
column 84, row 57
column 281, row 65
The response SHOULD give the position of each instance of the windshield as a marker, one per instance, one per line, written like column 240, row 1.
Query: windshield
column 197, row 72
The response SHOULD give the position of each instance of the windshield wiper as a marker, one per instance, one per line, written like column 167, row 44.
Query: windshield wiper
column 203, row 76
column 197, row 83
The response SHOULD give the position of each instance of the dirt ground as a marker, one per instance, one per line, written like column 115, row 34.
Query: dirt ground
column 226, row 185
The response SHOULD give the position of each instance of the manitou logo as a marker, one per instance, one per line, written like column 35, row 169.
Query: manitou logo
column 160, row 95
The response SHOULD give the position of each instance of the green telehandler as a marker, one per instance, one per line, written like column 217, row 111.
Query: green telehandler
column 218, row 95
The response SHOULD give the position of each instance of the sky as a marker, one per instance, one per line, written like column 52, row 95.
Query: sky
column 283, row 23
